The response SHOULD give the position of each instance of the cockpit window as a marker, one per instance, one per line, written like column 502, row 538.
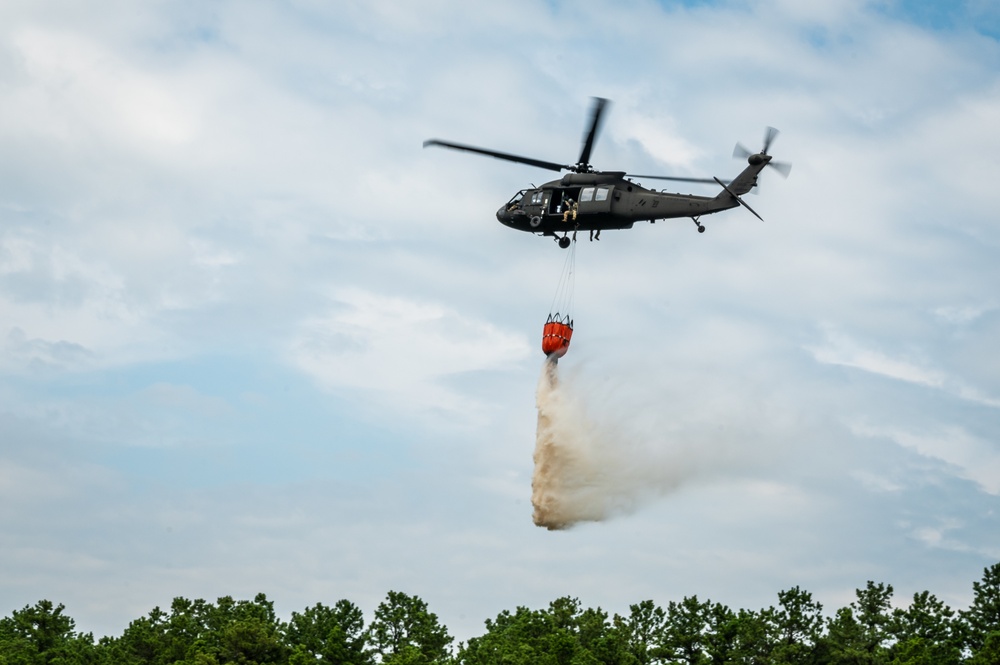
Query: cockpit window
column 602, row 194
column 536, row 198
column 586, row 194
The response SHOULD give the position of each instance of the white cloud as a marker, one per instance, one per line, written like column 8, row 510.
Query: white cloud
column 969, row 456
column 78, row 85
column 876, row 482
column 840, row 349
column 401, row 351
column 657, row 135
column 192, row 196
column 960, row 315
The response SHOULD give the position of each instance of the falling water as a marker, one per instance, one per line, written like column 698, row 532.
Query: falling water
column 604, row 450
column 570, row 483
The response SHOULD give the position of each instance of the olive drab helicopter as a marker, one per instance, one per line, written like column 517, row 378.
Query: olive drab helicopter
column 589, row 200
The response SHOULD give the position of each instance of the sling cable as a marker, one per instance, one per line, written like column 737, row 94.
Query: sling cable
column 558, row 328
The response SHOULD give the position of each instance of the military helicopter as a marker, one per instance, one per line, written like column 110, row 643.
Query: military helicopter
column 589, row 200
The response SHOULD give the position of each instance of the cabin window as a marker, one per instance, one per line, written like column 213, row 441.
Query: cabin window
column 602, row 194
column 586, row 194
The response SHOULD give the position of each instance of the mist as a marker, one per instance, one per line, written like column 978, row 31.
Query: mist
column 602, row 451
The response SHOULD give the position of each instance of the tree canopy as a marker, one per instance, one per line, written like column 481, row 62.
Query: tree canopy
column 403, row 631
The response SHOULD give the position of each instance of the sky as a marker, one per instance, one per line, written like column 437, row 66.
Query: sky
column 255, row 338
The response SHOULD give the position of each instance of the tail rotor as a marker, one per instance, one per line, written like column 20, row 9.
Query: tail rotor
column 741, row 152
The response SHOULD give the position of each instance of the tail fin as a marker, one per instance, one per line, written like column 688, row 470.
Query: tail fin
column 744, row 182
column 732, row 195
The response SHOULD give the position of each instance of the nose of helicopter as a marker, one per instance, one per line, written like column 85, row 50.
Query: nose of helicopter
column 514, row 218
column 504, row 216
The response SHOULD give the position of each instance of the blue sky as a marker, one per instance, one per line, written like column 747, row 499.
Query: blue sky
column 253, row 338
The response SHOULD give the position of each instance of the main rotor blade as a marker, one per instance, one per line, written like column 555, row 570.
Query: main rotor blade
column 551, row 166
column 595, row 124
column 677, row 178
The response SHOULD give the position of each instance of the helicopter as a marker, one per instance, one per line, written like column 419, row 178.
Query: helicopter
column 589, row 200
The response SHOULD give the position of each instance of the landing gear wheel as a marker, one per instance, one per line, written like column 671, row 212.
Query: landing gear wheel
column 564, row 242
column 701, row 229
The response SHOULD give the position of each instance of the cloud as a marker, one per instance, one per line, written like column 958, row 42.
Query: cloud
column 966, row 455
column 79, row 83
column 839, row 349
column 37, row 354
column 400, row 351
column 961, row 315
column 219, row 232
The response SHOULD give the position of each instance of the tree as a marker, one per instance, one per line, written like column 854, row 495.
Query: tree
column 144, row 642
column 843, row 643
column 598, row 642
column 858, row 634
column 989, row 652
column 518, row 638
column 642, row 631
column 562, row 634
column 982, row 618
column 43, row 634
column 754, row 640
column 330, row 635
column 722, row 635
column 684, row 632
column 925, row 632
column 245, row 632
column 873, row 607
column 404, row 632
column 201, row 633
column 796, row 626
column 186, row 630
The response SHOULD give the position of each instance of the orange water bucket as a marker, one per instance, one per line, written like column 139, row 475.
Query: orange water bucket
column 556, row 335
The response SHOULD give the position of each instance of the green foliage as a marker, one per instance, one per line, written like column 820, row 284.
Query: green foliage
column 686, row 627
column 754, row 642
column 982, row 619
column 795, row 627
column 404, row 632
column 566, row 634
column 197, row 632
column 329, row 635
column 859, row 634
column 873, row 608
column 844, row 641
column 144, row 641
column 989, row 652
column 42, row 635
column 926, row 632
column 640, row 633
column 722, row 634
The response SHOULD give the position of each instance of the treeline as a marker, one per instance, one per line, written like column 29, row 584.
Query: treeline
column 404, row 632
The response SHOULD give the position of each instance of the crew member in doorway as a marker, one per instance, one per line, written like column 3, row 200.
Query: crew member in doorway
column 569, row 209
